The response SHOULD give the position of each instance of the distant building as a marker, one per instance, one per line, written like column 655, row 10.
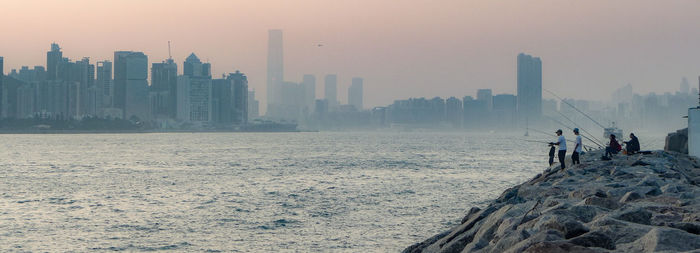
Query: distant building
column 355, row 93
column 104, row 82
column 194, row 68
column 253, row 105
column 163, row 89
column 53, row 59
column 504, row 110
column 485, row 95
column 194, row 99
column 239, row 98
column 454, row 111
column 685, row 86
column 131, row 84
column 529, row 87
column 275, row 71
column 330, row 90
column 2, row 76
column 309, row 85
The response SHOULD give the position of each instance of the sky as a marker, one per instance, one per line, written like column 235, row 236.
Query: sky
column 402, row 48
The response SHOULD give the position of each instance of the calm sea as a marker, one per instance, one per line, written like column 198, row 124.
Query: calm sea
column 365, row 191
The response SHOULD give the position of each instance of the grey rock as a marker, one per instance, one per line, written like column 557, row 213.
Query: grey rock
column 666, row 239
column 630, row 196
column 639, row 216
column 594, row 239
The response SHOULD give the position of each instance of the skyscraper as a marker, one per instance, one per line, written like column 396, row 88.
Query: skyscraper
column 130, row 84
column 355, row 93
column 163, row 90
column 2, row 76
column 239, row 97
column 275, row 70
column 309, row 86
column 194, row 91
column 104, row 82
column 53, row 59
column 331, row 90
column 194, row 68
column 529, row 88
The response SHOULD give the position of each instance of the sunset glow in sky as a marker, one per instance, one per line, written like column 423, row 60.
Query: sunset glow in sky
column 402, row 48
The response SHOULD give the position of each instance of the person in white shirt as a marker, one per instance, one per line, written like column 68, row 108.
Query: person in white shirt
column 561, row 142
column 577, row 149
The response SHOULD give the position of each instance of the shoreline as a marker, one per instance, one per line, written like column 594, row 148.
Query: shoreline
column 638, row 203
column 137, row 131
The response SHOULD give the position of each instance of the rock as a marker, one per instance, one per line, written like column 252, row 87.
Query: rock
column 630, row 196
column 558, row 247
column 639, row 216
column 666, row 239
column 640, row 203
column 594, row 239
column 677, row 142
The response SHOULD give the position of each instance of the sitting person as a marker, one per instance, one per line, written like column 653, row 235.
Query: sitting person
column 612, row 148
column 632, row 146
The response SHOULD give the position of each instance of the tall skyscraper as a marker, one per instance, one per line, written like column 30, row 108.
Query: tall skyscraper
column 275, row 70
column 131, row 84
column 239, row 97
column 309, row 86
column 53, row 59
column 485, row 95
column 194, row 91
column 685, row 86
column 355, row 93
column 163, row 90
column 253, row 105
column 2, row 76
column 194, row 68
column 331, row 90
column 104, row 82
column 529, row 88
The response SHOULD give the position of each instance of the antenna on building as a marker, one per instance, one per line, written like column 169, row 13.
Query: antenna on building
column 170, row 56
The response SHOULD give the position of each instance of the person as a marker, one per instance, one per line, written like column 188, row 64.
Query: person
column 613, row 147
column 552, row 150
column 577, row 149
column 632, row 146
column 561, row 142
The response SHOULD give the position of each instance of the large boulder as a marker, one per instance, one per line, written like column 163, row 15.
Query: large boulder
column 677, row 142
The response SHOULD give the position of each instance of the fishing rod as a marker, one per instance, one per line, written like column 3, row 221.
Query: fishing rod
column 580, row 128
column 589, row 139
column 545, row 133
column 572, row 106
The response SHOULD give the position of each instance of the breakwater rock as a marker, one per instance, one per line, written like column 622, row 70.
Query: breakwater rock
column 638, row 203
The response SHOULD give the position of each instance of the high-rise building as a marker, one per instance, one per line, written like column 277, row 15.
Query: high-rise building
column 529, row 88
column 194, row 68
column 355, row 93
column 253, row 105
column 53, row 59
column 2, row 76
column 685, row 86
column 131, row 84
column 163, row 90
column 485, row 95
column 104, row 82
column 454, row 111
column 331, row 90
column 275, row 71
column 239, row 97
column 309, row 86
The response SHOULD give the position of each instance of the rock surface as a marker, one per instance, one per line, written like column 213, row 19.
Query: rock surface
column 637, row 203
column 677, row 142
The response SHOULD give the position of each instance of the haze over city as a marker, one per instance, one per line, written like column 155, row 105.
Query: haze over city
column 401, row 48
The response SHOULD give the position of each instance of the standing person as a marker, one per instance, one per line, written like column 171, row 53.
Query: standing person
column 632, row 145
column 561, row 142
column 577, row 149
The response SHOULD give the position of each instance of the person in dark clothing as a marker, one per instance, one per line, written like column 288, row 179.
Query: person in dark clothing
column 551, row 154
column 612, row 148
column 561, row 142
column 632, row 146
column 577, row 149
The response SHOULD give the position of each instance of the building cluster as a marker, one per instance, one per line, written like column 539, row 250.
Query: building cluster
column 297, row 101
column 120, row 88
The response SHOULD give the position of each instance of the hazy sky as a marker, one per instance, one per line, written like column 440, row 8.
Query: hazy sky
column 402, row 48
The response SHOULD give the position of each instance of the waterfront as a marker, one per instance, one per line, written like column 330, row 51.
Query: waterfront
column 364, row 191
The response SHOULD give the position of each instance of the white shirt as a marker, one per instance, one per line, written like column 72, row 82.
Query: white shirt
column 580, row 144
column 562, row 142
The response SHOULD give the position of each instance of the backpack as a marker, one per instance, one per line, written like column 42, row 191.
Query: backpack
column 615, row 146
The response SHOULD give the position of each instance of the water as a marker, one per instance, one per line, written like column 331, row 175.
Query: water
column 248, row 192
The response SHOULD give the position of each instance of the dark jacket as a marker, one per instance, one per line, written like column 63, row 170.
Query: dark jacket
column 633, row 145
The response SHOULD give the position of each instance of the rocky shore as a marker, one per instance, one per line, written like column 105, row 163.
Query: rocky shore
column 638, row 203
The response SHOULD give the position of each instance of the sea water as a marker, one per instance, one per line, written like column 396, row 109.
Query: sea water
column 240, row 192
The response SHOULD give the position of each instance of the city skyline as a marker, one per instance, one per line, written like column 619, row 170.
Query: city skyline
column 449, row 58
